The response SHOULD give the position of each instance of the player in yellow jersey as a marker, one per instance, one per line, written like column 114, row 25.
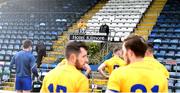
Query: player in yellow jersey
column 149, row 57
column 86, row 67
column 68, row 78
column 112, row 63
column 63, row 62
column 138, row 75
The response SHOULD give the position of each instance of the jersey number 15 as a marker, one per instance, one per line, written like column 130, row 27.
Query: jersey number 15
column 58, row 88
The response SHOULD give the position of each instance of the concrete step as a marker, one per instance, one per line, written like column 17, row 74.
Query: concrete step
column 8, row 88
column 12, row 80
column 98, row 81
column 49, row 59
column 10, row 84
column 12, row 75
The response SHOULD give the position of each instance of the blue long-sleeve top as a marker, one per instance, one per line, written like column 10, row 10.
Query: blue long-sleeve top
column 25, row 63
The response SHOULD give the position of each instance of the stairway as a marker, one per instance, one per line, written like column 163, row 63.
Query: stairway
column 10, row 84
column 149, row 19
column 59, row 45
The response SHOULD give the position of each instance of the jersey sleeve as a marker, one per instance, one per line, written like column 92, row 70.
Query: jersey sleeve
column 121, row 62
column 83, row 85
column 114, row 82
column 33, row 65
column 32, row 61
column 44, row 86
column 12, row 62
column 165, row 71
column 106, row 62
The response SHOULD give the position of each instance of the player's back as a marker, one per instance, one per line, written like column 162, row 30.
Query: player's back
column 139, row 76
column 65, row 78
column 114, row 63
column 155, row 63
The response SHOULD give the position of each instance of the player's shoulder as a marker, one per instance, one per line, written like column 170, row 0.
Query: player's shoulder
column 75, row 73
column 150, row 59
column 120, row 70
column 78, row 76
column 107, row 61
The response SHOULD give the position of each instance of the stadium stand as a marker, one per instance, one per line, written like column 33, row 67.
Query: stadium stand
column 38, row 20
column 149, row 19
column 121, row 16
column 165, row 37
column 47, row 19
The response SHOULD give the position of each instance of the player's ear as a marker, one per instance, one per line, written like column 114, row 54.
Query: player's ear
column 73, row 57
column 130, row 52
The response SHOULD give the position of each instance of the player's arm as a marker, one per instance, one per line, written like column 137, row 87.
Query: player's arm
column 33, row 66
column 111, row 91
column 12, row 62
column 44, row 88
column 165, row 71
column 83, row 85
column 113, row 85
column 101, row 68
column 88, row 69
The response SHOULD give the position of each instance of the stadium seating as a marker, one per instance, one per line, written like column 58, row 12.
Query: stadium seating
column 38, row 20
column 120, row 15
column 165, row 34
column 165, row 38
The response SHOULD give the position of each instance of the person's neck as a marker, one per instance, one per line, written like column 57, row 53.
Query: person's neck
column 116, row 56
column 26, row 49
column 152, row 56
column 70, row 63
column 138, row 59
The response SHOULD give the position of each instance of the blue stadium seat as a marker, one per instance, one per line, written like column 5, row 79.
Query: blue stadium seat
column 171, row 85
column 161, row 53
column 177, row 55
column 176, row 68
column 170, row 54
column 172, row 47
column 172, row 74
column 177, row 87
column 169, row 67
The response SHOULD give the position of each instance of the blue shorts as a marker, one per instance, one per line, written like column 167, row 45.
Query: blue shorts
column 23, row 83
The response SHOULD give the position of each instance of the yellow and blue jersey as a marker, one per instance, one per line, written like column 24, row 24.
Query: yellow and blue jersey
column 65, row 78
column 114, row 63
column 63, row 62
column 138, row 77
column 155, row 63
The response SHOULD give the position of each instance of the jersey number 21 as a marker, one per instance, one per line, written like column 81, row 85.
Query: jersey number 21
column 135, row 87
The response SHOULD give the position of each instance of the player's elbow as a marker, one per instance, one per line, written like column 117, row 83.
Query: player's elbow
column 89, row 70
column 99, row 69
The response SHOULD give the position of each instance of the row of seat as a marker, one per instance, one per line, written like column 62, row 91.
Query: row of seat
column 130, row 0
column 46, row 5
column 166, row 32
column 115, row 21
column 36, row 20
column 174, row 86
column 131, row 25
column 121, row 17
column 128, row 3
column 4, row 71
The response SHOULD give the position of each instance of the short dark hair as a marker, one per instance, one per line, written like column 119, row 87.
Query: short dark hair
column 150, row 47
column 116, row 49
column 136, row 44
column 74, row 47
column 27, row 43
